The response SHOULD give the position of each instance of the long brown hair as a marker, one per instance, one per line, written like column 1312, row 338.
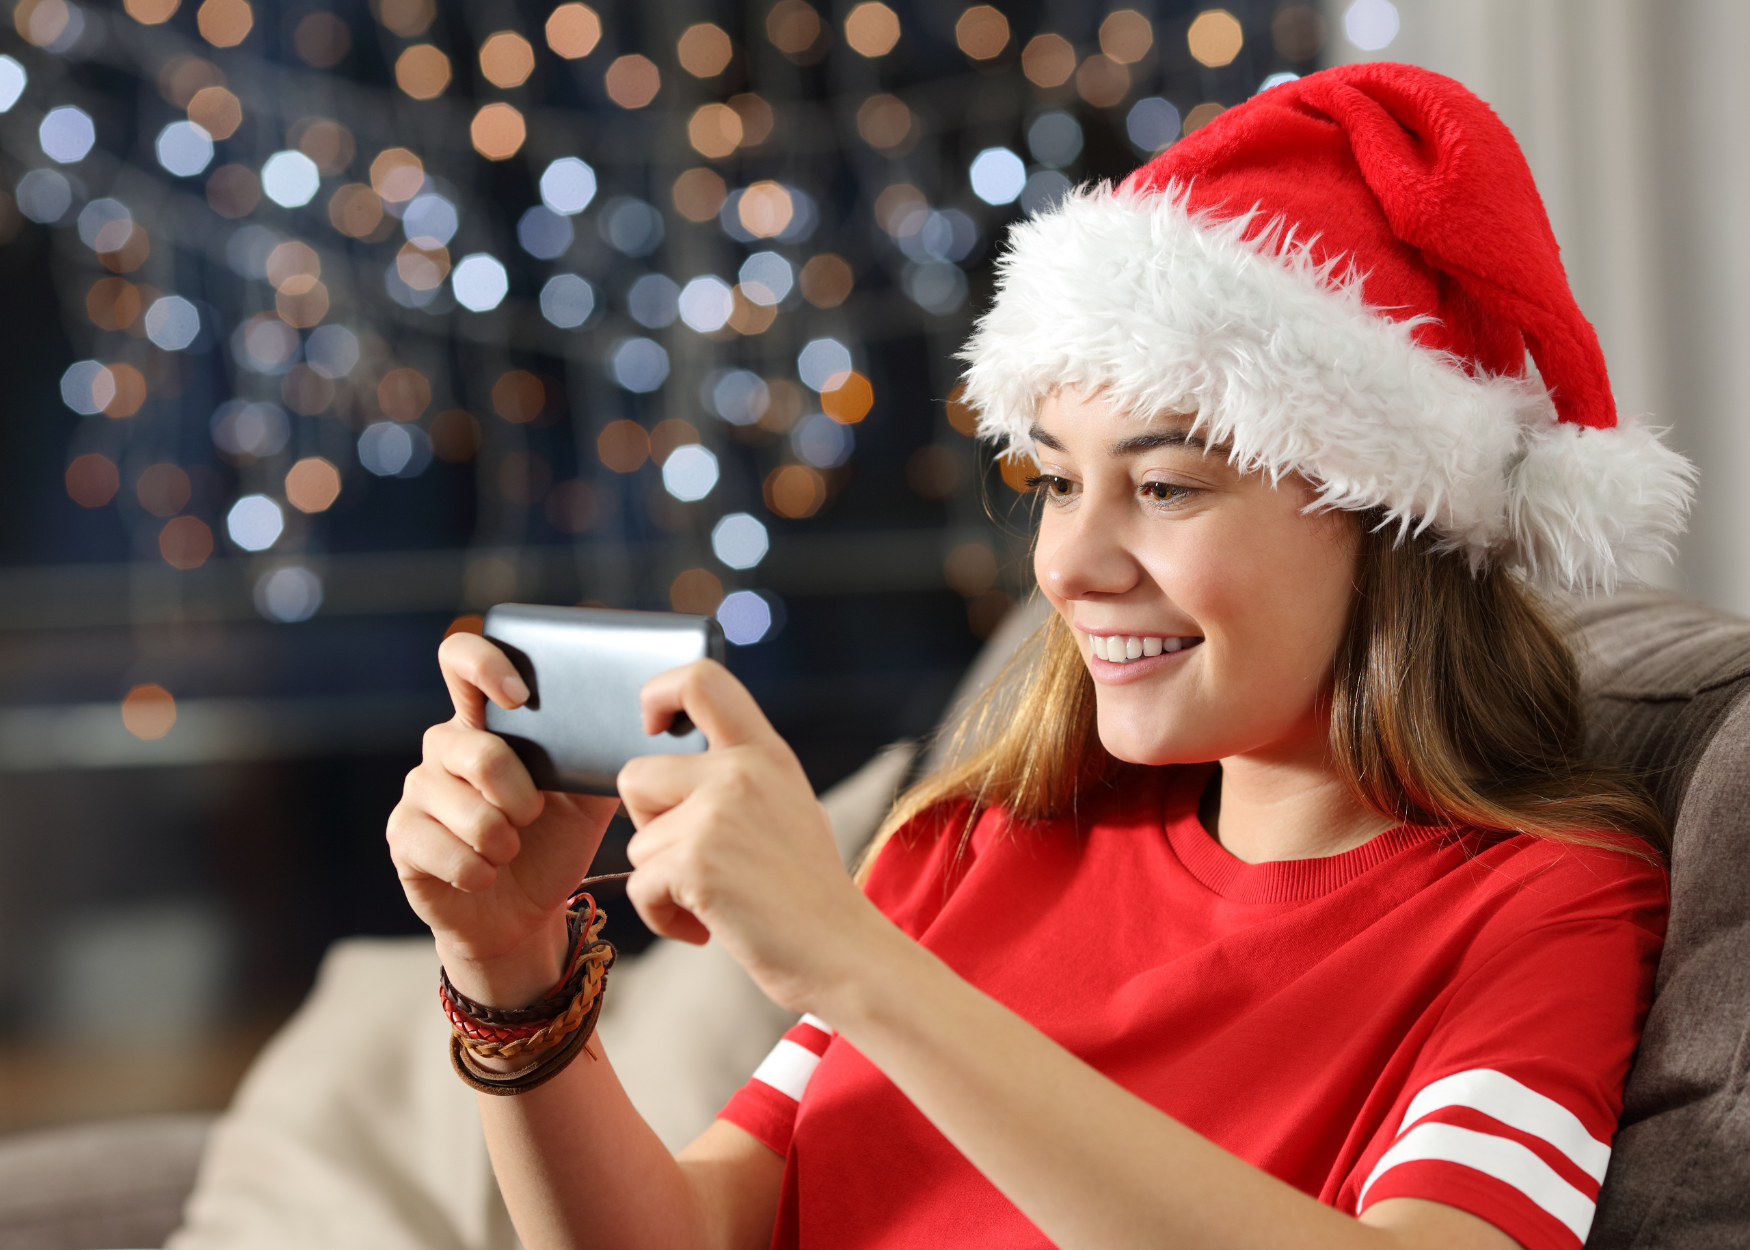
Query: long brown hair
column 1454, row 700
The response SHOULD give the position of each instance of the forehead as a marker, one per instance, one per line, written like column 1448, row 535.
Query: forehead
column 1065, row 414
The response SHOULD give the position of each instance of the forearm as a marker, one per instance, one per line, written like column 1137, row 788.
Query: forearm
column 1088, row 1162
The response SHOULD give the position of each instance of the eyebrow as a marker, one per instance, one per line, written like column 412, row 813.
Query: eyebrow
column 1131, row 446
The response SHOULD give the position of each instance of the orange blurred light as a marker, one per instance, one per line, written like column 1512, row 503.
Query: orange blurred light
column 321, row 40
column 302, row 302
column 355, row 210
column 670, row 434
column 41, row 21
column 961, row 415
column 422, row 268
column 1016, row 469
column 406, row 18
column 185, row 542
column 422, row 71
column 573, row 30
column 122, row 246
column 163, row 489
column 1298, row 31
column 455, row 436
column 225, row 23
column 747, row 317
column 756, row 118
column 92, row 480
column 982, row 32
column 765, row 209
column 518, row 396
column 633, row 81
column 1215, row 38
column 714, row 130
column 1202, row 115
column 704, row 50
column 507, row 59
column 216, row 111
column 234, row 190
column 498, row 131
column 1048, row 60
column 970, row 569
column 149, row 710
column 305, row 391
column 130, row 391
column 182, row 76
column 472, row 623
column 623, row 446
column 324, row 141
column 1126, row 36
column 794, row 491
column 884, row 122
column 1102, row 82
column 894, row 205
column 312, row 485
column 696, row 591
column 699, row 194
column 151, row 12
column 872, row 29
column 292, row 259
column 112, row 303
column 794, row 28
column 397, row 175
column 403, row 394
column 850, row 401
column 826, row 280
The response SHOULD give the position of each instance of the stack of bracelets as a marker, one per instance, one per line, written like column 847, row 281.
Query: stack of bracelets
column 549, row 1033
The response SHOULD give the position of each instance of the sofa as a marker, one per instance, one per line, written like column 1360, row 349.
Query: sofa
column 379, row 1145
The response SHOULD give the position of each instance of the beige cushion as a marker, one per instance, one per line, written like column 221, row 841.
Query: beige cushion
column 375, row 1143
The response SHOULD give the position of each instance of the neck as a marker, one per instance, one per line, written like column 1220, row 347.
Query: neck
column 1287, row 805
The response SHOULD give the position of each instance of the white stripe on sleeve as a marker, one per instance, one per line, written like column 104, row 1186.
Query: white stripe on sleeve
column 1500, row 1157
column 788, row 1068
column 1518, row 1106
column 814, row 1021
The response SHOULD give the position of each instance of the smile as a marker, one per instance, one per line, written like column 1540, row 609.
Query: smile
column 1123, row 648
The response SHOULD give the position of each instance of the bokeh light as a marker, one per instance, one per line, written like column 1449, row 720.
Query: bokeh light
column 498, row 131
column 480, row 282
column 704, row 50
column 714, row 130
column 397, row 175
column 255, row 522
column 321, row 40
column 288, row 594
column 766, row 209
column 982, row 32
column 822, row 442
column 387, row 449
column 745, row 616
column 312, row 484
column 1202, row 115
column 689, row 472
column 290, row 179
column 455, row 436
column 823, row 364
column 216, row 111
column 184, row 149
column 623, row 446
column 1152, row 123
column 86, row 387
column 573, row 30
column 827, row 280
column 92, row 480
column 1102, row 82
column 871, row 28
column 404, row 394
column 756, row 116
column 998, row 176
column 1298, row 31
column 794, row 491
column 172, row 323
column 66, row 134
column 44, row 195
column 699, row 194
column 507, row 59
column 705, row 303
column 653, row 301
column 1048, row 60
column 1126, row 36
column 355, row 210
column 518, row 396
column 630, row 226
column 1371, row 24
column 422, row 71
column 740, row 540
column 113, row 303
column 185, row 542
column 233, row 191
column 885, row 123
column 567, row 300
column 430, row 220
column 850, row 401
column 148, row 711
column 794, row 29
column 632, row 81
column 247, row 431
column 697, row 591
column 12, row 82
column 324, row 141
column 640, row 365
column 225, row 23
column 766, row 278
column 130, row 391
column 151, row 12
column 1215, row 38
column 544, row 233
column 568, row 185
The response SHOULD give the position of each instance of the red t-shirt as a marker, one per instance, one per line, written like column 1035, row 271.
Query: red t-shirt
column 1430, row 1015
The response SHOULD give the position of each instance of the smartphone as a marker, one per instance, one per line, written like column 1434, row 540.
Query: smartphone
column 584, row 668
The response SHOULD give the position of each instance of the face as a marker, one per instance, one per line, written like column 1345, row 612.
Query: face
column 1208, row 605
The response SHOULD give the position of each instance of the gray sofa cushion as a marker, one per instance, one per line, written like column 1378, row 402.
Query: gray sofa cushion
column 1669, row 697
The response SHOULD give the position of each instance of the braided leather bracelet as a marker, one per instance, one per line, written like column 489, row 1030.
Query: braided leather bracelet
column 553, row 1030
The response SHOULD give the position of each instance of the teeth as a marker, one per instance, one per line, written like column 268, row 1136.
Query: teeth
column 1122, row 648
column 1172, row 644
column 1098, row 644
column 1151, row 646
column 1133, row 648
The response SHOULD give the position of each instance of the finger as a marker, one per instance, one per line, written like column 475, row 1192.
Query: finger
column 424, row 849
column 461, row 809
column 484, row 761
column 475, row 670
column 654, row 902
column 715, row 701
column 652, row 784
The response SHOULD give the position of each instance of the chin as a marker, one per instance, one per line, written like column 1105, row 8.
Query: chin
column 1153, row 745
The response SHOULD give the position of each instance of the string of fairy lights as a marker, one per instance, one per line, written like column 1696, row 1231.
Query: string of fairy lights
column 624, row 271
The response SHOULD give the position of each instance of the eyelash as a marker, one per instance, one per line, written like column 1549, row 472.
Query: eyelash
column 1045, row 484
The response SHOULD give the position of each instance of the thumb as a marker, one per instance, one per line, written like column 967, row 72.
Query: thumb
column 712, row 699
column 475, row 670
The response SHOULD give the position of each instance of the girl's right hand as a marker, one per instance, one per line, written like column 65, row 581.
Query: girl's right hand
column 486, row 859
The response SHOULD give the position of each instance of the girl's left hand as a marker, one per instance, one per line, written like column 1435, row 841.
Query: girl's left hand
column 732, row 844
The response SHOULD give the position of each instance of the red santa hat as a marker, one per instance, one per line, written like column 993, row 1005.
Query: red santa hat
column 1342, row 278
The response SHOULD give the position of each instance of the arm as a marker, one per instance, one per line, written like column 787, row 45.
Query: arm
column 731, row 842
column 488, row 862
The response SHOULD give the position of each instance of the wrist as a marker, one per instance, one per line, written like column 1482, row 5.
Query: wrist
column 513, row 978
column 883, row 963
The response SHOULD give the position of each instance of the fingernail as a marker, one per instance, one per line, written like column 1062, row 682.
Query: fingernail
column 515, row 690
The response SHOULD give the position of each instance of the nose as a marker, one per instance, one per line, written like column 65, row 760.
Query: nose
column 1083, row 555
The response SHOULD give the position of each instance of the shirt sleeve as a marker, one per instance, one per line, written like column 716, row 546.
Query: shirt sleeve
column 1512, row 1103
column 911, row 880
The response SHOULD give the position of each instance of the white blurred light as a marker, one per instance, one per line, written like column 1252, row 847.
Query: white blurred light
column 821, row 441
column 184, row 149
column 332, row 351
column 745, row 616
column 1043, row 191
column 1152, row 123
column 1277, row 79
column 67, row 134
column 1055, row 139
column 766, row 278
column 706, row 302
column 98, row 214
column 928, row 235
column 242, row 428
column 544, row 233
column 44, row 195
column 480, row 282
column 388, row 449
column 998, row 176
column 265, row 345
column 653, row 301
column 172, row 323
column 404, row 295
column 567, row 300
column 1371, row 24
column 631, row 226
column 290, row 179
column 567, row 186
column 430, row 218
column 740, row 540
column 255, row 522
column 640, row 365
column 739, row 396
column 12, row 81
column 823, row 363
column 86, row 387
column 690, row 472
column 804, row 217
column 41, row 29
column 935, row 286
column 290, row 593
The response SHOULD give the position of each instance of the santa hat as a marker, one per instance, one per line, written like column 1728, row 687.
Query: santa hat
column 1342, row 278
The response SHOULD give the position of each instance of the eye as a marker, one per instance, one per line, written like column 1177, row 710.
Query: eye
column 1166, row 492
column 1051, row 486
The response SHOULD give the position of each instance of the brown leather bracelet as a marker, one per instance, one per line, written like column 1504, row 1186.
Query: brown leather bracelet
column 549, row 1065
